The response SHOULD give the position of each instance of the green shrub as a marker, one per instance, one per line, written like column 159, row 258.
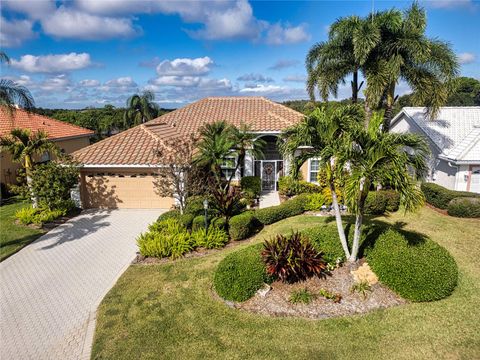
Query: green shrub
column 172, row 214
column 199, row 222
column 302, row 296
column 288, row 186
column 315, row 202
column 468, row 207
column 215, row 238
column 38, row 216
column 325, row 238
column 240, row 274
column 194, row 206
column 243, row 226
column 186, row 220
column 417, row 269
column 440, row 197
column 219, row 222
column 379, row 202
column 270, row 215
column 251, row 186
column 292, row 258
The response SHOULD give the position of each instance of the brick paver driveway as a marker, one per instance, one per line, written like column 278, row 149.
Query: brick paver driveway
column 49, row 291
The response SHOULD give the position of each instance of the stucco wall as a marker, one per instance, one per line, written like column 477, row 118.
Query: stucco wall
column 8, row 168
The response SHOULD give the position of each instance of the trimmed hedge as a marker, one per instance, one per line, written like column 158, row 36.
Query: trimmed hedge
column 240, row 274
column 252, row 186
column 243, row 226
column 467, row 207
column 417, row 269
column 172, row 214
column 379, row 202
column 295, row 206
column 325, row 238
column 440, row 197
column 288, row 186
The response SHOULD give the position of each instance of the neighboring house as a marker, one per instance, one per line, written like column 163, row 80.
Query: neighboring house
column 454, row 139
column 120, row 171
column 67, row 137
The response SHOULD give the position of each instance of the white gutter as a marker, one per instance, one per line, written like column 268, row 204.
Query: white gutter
column 458, row 162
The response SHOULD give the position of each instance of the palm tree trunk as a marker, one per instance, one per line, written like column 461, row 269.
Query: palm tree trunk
column 355, row 87
column 28, row 171
column 358, row 222
column 389, row 107
column 368, row 113
column 338, row 219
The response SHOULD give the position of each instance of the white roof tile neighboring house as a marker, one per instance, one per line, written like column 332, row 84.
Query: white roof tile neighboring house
column 455, row 131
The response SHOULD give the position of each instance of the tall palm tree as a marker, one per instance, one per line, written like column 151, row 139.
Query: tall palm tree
column 246, row 141
column 12, row 94
column 428, row 66
column 378, row 157
column 327, row 134
column 23, row 146
column 140, row 108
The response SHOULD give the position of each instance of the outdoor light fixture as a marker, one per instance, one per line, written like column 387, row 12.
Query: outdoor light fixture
column 205, row 207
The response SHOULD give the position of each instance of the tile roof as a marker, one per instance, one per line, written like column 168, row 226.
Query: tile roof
column 455, row 130
column 26, row 120
column 137, row 145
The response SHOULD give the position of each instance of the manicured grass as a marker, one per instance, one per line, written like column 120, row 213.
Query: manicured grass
column 13, row 237
column 167, row 311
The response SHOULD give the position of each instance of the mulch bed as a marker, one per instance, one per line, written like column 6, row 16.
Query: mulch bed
column 440, row 211
column 276, row 301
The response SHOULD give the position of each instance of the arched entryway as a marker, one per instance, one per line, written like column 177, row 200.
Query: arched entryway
column 271, row 167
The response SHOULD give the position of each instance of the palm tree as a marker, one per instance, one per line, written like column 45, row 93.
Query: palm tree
column 23, row 146
column 12, row 94
column 428, row 66
column 327, row 134
column 140, row 108
column 378, row 157
column 246, row 141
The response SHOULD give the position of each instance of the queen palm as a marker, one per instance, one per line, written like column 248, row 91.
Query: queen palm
column 378, row 157
column 246, row 141
column 23, row 145
column 140, row 108
column 326, row 133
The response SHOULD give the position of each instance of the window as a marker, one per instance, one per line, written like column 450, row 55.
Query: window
column 314, row 167
column 228, row 167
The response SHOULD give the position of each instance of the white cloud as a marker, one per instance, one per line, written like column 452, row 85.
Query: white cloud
column 263, row 89
column 125, row 81
column 71, row 23
column 255, row 78
column 35, row 9
column 176, row 81
column 278, row 34
column 466, row 58
column 89, row 83
column 283, row 64
column 185, row 67
column 14, row 32
column 59, row 83
column 52, row 63
column 295, row 78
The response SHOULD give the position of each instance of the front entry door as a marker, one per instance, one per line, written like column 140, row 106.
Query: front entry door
column 268, row 175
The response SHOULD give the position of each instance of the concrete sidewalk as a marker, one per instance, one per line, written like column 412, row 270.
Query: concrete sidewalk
column 268, row 199
column 50, row 290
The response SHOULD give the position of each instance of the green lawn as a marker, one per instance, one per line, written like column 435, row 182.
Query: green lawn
column 14, row 237
column 167, row 312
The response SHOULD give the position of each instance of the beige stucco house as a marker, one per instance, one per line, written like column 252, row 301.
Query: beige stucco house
column 67, row 137
column 454, row 139
column 119, row 172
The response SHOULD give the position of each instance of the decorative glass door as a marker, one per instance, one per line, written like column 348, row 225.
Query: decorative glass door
column 268, row 175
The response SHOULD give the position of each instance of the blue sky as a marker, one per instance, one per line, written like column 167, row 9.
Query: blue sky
column 78, row 53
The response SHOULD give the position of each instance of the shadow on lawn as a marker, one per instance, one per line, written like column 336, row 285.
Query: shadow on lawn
column 373, row 228
column 77, row 228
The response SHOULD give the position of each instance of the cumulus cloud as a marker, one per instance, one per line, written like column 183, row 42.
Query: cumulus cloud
column 278, row 34
column 295, row 78
column 34, row 9
column 255, row 78
column 466, row 58
column 52, row 63
column 185, row 67
column 58, row 83
column 121, row 82
column 71, row 23
column 89, row 83
column 283, row 64
column 14, row 32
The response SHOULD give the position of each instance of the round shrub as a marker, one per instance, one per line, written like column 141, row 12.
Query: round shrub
column 251, row 186
column 219, row 222
column 416, row 268
column 325, row 238
column 240, row 274
column 172, row 214
column 464, row 207
column 198, row 222
column 440, row 197
column 244, row 225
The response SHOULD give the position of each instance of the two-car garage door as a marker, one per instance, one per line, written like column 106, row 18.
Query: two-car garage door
column 129, row 190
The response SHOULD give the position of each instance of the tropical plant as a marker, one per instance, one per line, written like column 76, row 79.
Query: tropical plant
column 376, row 157
column 302, row 296
column 327, row 133
column 12, row 94
column 292, row 258
column 245, row 140
column 23, row 145
column 140, row 108
column 362, row 287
